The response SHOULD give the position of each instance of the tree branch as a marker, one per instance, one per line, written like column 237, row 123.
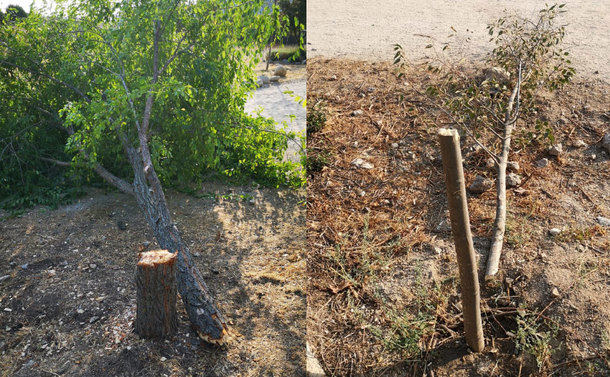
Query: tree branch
column 35, row 72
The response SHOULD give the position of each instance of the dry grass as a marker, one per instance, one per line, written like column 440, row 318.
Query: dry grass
column 383, row 297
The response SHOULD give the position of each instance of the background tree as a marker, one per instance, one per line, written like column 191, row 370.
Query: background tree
column 141, row 93
column 526, row 58
column 13, row 12
column 296, row 13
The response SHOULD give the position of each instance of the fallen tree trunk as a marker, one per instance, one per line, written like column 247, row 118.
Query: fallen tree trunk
column 156, row 294
column 205, row 318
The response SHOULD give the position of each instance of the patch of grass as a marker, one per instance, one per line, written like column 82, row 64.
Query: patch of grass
column 360, row 266
column 408, row 328
column 316, row 161
column 291, row 53
column 518, row 231
column 405, row 333
column 534, row 337
column 316, row 119
column 580, row 234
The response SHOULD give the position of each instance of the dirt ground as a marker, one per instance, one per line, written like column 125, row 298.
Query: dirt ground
column 368, row 30
column 67, row 295
column 383, row 297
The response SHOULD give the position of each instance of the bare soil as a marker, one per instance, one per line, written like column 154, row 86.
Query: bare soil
column 368, row 30
column 383, row 294
column 68, row 304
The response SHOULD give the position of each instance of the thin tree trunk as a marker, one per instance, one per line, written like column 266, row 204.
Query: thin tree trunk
column 499, row 229
column 460, row 228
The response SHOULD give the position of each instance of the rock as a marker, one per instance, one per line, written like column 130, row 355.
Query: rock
column 313, row 367
column 606, row 142
column 357, row 113
column 542, row 163
column 603, row 221
column 280, row 71
column 554, row 231
column 332, row 78
column 513, row 166
column 443, row 226
column 579, row 144
column 556, row 149
column 5, row 277
column 555, row 292
column 497, row 74
column 92, row 266
column 394, row 145
column 262, row 80
column 490, row 163
column 274, row 78
column 480, row 185
column 360, row 163
column 8, row 309
column 513, row 180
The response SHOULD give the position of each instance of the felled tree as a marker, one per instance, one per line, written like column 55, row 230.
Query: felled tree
column 527, row 56
column 155, row 87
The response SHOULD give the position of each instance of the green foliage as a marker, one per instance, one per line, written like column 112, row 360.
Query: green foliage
column 12, row 13
column 78, row 80
column 534, row 337
column 478, row 104
column 296, row 13
column 316, row 119
column 537, row 45
column 314, row 162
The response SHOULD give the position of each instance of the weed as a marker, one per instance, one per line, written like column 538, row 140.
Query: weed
column 315, row 162
column 580, row 234
column 316, row 119
column 534, row 337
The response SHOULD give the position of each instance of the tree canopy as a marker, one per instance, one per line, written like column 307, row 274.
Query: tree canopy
column 78, row 84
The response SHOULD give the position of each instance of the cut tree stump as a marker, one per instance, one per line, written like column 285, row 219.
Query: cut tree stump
column 156, row 290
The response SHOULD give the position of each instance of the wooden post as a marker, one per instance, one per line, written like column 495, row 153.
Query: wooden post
column 156, row 290
column 460, row 228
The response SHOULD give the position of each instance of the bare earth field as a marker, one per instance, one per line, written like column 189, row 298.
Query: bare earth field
column 367, row 30
column 67, row 295
column 383, row 293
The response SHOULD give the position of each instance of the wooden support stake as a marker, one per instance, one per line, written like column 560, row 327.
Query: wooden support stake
column 460, row 228
column 156, row 289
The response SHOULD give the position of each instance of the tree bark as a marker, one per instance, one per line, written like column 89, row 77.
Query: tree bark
column 205, row 318
column 460, row 228
column 156, row 294
column 499, row 229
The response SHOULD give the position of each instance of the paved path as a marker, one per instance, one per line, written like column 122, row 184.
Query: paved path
column 279, row 105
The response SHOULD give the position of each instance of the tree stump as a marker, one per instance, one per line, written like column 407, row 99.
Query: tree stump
column 156, row 290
